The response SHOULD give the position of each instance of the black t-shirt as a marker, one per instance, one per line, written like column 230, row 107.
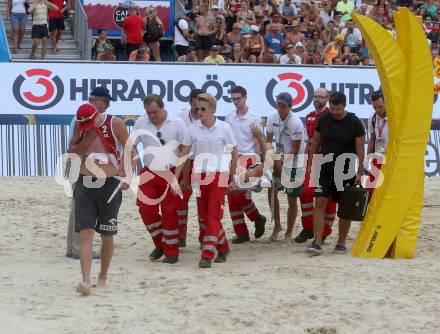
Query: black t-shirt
column 338, row 136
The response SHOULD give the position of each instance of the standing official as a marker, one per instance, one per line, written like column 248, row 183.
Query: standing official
column 288, row 131
column 339, row 134
column 320, row 100
column 215, row 165
column 189, row 117
column 240, row 202
column 161, row 135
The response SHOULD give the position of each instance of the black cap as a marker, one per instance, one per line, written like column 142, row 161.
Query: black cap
column 285, row 98
column 102, row 92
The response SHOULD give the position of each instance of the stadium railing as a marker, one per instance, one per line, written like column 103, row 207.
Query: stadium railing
column 81, row 31
column 4, row 49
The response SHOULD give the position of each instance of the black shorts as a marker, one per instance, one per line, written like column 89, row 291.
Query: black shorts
column 56, row 24
column 205, row 43
column 91, row 208
column 39, row 31
column 181, row 50
column 327, row 186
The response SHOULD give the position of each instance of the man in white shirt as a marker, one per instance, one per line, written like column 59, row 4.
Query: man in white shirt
column 353, row 36
column 189, row 117
column 161, row 135
column 214, row 170
column 182, row 34
column 378, row 129
column 288, row 131
column 290, row 57
column 240, row 202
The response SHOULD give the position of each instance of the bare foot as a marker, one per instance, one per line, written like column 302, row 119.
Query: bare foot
column 275, row 232
column 287, row 237
column 83, row 288
column 101, row 284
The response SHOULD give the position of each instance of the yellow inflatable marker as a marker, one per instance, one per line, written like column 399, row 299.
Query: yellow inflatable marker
column 406, row 74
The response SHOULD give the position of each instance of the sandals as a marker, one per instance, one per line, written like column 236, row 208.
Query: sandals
column 32, row 57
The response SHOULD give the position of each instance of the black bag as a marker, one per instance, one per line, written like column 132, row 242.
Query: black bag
column 26, row 7
column 353, row 203
column 153, row 31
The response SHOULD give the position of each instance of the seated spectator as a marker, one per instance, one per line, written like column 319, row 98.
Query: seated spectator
column 233, row 37
column 221, row 30
column 255, row 45
column 288, row 11
column 246, row 18
column 237, row 55
column 108, row 54
column 260, row 24
column 269, row 56
column 300, row 51
column 189, row 57
column 100, row 43
column 231, row 9
column 353, row 37
column 328, row 34
column 214, row 57
column 333, row 50
column 141, row 54
column 290, row 57
column 263, row 10
column 318, row 57
column 327, row 13
column 295, row 35
column 345, row 7
column 275, row 20
column 314, row 42
column 274, row 40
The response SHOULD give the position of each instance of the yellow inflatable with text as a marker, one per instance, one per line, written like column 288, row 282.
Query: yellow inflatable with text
column 391, row 225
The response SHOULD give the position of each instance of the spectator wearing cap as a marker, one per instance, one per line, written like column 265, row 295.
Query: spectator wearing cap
column 288, row 11
column 345, row 7
column 300, row 51
column 133, row 26
column 215, row 11
column 182, row 34
column 255, row 45
column 295, row 35
column 353, row 37
column 274, row 40
column 288, row 132
column 333, row 49
column 141, row 54
column 290, row 57
column 214, row 56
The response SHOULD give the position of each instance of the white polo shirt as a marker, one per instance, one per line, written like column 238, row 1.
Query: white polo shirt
column 155, row 156
column 185, row 116
column 241, row 129
column 285, row 132
column 212, row 147
column 380, row 131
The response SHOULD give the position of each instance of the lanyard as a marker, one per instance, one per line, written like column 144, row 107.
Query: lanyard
column 380, row 127
column 285, row 124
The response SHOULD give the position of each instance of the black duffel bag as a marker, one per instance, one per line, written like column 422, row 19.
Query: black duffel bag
column 353, row 203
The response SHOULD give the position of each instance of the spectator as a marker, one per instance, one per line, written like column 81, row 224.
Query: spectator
column 345, row 7
column 189, row 57
column 288, row 11
column 56, row 23
column 333, row 49
column 141, row 54
column 133, row 26
column 231, row 9
column 295, row 35
column 328, row 35
column 182, row 34
column 255, row 45
column 214, row 57
column 264, row 10
column 431, row 9
column 259, row 23
column 269, row 56
column 300, row 51
column 221, row 30
column 39, row 10
column 318, row 57
column 233, row 37
column 353, row 37
column 246, row 18
column 237, row 55
column 327, row 13
column 99, row 44
column 314, row 42
column 276, row 21
column 290, row 57
column 274, row 40
column 154, row 29
column 206, row 30
column 16, row 10
column 215, row 11
column 107, row 54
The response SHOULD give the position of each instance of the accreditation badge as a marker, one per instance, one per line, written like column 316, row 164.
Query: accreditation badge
column 380, row 145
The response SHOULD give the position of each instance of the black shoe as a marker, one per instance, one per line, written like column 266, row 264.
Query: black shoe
column 170, row 259
column 182, row 243
column 260, row 226
column 239, row 239
column 221, row 257
column 205, row 263
column 304, row 235
column 156, row 254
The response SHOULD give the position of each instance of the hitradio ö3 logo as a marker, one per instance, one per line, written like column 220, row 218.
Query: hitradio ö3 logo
column 38, row 90
column 300, row 89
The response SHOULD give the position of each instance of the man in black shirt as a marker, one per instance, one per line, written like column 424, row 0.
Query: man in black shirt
column 341, row 135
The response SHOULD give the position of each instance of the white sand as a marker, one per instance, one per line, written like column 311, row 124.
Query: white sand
column 264, row 287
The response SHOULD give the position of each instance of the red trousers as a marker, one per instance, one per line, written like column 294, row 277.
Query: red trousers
column 182, row 212
column 307, row 206
column 210, row 206
column 241, row 203
column 163, row 230
column 372, row 178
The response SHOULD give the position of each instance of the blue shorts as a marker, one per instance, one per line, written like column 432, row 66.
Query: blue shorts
column 18, row 20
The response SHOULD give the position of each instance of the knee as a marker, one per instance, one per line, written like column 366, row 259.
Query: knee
column 320, row 204
column 87, row 235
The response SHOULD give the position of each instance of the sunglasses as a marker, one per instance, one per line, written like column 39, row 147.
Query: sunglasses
column 289, row 47
column 161, row 140
column 200, row 109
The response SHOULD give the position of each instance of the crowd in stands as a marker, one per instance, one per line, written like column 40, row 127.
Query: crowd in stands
column 268, row 31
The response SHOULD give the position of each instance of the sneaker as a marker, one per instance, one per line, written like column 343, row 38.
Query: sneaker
column 182, row 243
column 239, row 239
column 304, row 235
column 314, row 250
column 260, row 226
column 340, row 249
column 95, row 256
column 205, row 263
column 156, row 254
column 221, row 257
column 170, row 259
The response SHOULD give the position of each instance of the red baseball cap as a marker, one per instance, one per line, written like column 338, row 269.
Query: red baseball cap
column 86, row 116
